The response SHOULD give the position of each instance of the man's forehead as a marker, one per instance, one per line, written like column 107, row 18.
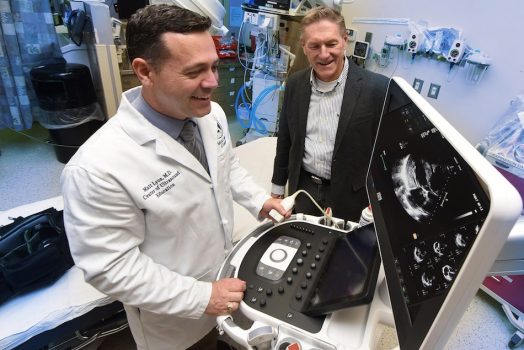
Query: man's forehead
column 191, row 48
column 322, row 37
column 320, row 30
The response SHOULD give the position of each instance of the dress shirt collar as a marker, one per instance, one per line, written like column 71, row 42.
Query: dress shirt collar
column 170, row 126
column 324, row 87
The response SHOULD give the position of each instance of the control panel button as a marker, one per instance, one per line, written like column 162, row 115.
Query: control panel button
column 278, row 255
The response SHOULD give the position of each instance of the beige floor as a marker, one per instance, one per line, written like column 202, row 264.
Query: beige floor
column 483, row 326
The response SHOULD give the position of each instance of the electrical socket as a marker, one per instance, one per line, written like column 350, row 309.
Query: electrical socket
column 251, row 17
column 352, row 34
column 434, row 90
column 417, row 84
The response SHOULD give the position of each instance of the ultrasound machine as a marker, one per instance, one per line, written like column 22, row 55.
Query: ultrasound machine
column 441, row 215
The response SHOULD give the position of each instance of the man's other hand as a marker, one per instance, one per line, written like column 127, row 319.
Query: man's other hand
column 226, row 295
column 274, row 203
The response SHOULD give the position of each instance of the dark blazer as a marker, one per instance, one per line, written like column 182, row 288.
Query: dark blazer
column 360, row 114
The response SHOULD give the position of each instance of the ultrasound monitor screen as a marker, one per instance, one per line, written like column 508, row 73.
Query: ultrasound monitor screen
column 428, row 206
column 351, row 274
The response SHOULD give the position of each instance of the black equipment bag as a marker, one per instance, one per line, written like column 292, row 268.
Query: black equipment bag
column 34, row 252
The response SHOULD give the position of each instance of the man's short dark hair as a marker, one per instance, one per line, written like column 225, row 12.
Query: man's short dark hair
column 145, row 28
column 320, row 13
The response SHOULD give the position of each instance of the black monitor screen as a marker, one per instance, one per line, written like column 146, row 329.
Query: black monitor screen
column 428, row 207
column 276, row 4
column 351, row 274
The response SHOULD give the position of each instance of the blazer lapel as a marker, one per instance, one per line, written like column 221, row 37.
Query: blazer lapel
column 303, row 100
column 349, row 101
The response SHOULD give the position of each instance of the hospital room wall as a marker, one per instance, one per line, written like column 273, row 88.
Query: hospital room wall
column 495, row 28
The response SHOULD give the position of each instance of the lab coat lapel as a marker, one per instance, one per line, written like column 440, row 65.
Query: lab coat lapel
column 142, row 131
column 208, row 131
column 166, row 146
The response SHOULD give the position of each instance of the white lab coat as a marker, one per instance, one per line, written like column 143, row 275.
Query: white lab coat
column 147, row 224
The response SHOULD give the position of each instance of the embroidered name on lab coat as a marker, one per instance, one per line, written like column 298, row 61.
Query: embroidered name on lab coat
column 221, row 138
column 160, row 185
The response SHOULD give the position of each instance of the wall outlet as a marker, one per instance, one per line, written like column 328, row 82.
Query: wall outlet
column 414, row 43
column 434, row 90
column 417, row 84
column 352, row 34
column 251, row 17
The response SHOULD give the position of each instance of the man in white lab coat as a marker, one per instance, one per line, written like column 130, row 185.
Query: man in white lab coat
column 146, row 222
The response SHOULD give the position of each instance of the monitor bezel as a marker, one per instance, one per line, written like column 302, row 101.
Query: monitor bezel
column 505, row 208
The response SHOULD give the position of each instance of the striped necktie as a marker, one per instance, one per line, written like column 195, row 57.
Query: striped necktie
column 193, row 143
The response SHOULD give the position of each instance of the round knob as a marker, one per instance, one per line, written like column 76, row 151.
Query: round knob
column 278, row 255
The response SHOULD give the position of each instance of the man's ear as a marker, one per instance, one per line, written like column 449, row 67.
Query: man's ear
column 142, row 70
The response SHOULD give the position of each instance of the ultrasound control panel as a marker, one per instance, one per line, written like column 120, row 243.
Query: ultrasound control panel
column 282, row 269
column 277, row 257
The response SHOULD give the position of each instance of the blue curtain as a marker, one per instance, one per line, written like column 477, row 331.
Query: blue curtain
column 27, row 39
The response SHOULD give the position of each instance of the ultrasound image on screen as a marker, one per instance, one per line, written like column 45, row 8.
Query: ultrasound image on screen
column 419, row 185
column 431, row 202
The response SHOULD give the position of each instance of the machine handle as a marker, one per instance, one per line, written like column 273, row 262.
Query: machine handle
column 257, row 335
